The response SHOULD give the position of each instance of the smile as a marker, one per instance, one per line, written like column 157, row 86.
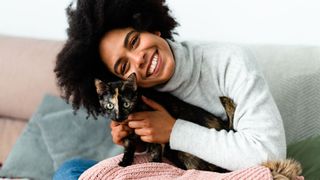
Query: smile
column 153, row 64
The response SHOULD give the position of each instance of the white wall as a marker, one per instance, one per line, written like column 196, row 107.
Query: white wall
column 268, row 21
column 248, row 21
column 34, row 18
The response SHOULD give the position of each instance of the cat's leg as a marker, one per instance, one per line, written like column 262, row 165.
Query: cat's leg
column 192, row 162
column 155, row 152
column 128, row 155
column 172, row 156
column 230, row 107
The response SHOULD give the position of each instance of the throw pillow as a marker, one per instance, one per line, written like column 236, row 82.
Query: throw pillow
column 307, row 153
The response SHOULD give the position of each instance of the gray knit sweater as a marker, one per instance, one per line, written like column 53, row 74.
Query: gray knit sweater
column 203, row 73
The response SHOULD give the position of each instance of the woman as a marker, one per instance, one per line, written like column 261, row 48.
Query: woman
column 112, row 39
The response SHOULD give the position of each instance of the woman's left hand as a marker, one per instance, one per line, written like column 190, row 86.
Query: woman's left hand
column 152, row 126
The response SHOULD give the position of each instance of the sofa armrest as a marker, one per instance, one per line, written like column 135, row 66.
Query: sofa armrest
column 10, row 131
column 26, row 74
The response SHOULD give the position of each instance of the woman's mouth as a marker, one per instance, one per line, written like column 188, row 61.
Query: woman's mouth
column 153, row 65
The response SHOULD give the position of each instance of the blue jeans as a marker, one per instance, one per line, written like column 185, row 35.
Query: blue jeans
column 72, row 169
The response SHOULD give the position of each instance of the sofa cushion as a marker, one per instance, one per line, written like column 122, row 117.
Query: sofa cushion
column 9, row 133
column 26, row 74
column 54, row 134
column 29, row 157
column 293, row 75
column 77, row 137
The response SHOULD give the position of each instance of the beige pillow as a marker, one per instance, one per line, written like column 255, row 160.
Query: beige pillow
column 26, row 74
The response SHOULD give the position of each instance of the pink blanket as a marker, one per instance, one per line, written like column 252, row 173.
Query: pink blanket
column 142, row 169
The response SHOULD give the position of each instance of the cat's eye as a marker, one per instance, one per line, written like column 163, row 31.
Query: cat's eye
column 126, row 105
column 109, row 106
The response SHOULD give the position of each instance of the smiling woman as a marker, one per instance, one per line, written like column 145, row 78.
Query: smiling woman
column 127, row 51
column 80, row 61
column 109, row 40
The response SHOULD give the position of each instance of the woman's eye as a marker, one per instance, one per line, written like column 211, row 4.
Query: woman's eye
column 109, row 106
column 135, row 40
column 126, row 105
column 123, row 68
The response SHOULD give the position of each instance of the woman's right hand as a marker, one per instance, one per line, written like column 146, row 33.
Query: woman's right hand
column 119, row 131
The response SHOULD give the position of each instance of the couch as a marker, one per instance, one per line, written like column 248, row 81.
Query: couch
column 26, row 75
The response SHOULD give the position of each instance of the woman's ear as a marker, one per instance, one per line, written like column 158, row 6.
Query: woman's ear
column 158, row 33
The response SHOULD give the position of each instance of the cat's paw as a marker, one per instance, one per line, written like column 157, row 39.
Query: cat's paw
column 124, row 164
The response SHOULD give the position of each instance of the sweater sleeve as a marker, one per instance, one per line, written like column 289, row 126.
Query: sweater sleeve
column 259, row 134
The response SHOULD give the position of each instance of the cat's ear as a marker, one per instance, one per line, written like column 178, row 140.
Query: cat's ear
column 131, row 82
column 100, row 86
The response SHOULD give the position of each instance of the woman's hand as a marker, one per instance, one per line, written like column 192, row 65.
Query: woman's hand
column 119, row 131
column 152, row 126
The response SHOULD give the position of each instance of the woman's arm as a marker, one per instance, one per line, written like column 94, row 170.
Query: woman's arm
column 259, row 134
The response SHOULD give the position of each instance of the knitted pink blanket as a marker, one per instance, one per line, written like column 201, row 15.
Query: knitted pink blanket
column 142, row 169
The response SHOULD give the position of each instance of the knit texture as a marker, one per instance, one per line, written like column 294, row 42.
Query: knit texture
column 143, row 169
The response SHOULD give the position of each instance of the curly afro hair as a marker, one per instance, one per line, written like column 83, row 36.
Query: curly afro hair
column 79, row 62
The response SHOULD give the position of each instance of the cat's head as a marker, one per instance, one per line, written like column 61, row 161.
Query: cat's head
column 118, row 99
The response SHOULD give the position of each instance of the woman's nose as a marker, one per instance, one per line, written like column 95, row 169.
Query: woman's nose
column 138, row 59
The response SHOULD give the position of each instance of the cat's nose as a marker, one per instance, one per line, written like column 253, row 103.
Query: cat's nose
column 120, row 118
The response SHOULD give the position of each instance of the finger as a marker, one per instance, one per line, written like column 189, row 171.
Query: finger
column 154, row 105
column 114, row 124
column 126, row 128
column 138, row 124
column 119, row 135
column 119, row 127
column 147, row 139
column 143, row 132
column 117, row 139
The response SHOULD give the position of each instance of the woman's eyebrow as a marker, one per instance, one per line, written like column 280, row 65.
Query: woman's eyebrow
column 126, row 39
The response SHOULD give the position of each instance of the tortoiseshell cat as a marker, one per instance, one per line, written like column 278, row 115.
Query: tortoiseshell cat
column 121, row 98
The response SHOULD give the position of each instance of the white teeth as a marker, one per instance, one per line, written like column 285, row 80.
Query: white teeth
column 153, row 64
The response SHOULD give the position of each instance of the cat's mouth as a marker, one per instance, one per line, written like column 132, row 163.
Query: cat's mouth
column 121, row 119
column 153, row 64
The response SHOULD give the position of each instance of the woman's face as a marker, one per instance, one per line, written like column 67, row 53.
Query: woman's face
column 126, row 51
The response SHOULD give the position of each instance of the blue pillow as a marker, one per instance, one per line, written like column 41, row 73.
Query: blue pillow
column 54, row 134
column 68, row 136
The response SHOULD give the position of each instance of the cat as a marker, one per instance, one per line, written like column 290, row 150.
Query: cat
column 120, row 98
